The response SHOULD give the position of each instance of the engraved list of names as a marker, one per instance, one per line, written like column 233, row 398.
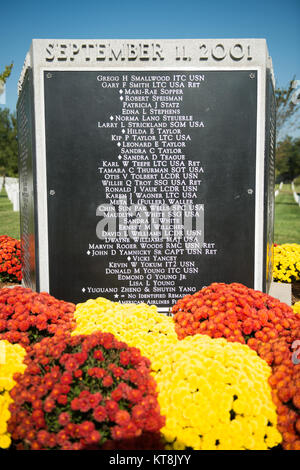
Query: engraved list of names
column 151, row 182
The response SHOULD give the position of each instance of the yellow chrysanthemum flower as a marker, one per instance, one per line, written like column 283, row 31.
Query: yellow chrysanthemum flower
column 286, row 266
column 11, row 361
column 139, row 325
column 225, row 416
column 296, row 307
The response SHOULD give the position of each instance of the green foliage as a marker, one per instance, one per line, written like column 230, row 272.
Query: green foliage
column 4, row 75
column 8, row 143
column 8, row 135
column 287, row 163
column 297, row 184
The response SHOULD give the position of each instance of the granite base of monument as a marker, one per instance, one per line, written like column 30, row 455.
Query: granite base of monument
column 281, row 291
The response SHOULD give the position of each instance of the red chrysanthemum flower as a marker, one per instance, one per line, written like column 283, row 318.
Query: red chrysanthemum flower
column 60, row 409
column 281, row 355
column 235, row 312
column 10, row 259
column 26, row 316
column 100, row 413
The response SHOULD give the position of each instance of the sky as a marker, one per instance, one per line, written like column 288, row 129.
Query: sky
column 276, row 21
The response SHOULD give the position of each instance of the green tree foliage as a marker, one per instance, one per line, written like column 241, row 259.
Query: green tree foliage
column 8, row 135
column 287, row 165
column 6, row 73
column 288, row 159
column 287, row 108
column 8, row 143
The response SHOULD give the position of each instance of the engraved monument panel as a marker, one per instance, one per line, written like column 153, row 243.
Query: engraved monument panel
column 153, row 167
column 154, row 139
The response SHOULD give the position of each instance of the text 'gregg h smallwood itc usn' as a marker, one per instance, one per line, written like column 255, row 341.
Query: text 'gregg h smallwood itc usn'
column 146, row 167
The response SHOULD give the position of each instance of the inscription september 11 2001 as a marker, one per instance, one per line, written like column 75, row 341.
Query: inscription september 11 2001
column 161, row 198
column 153, row 51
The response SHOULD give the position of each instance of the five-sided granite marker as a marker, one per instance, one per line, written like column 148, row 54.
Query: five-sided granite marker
column 146, row 167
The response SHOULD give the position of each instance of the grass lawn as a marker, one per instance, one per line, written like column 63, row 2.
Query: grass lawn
column 9, row 220
column 287, row 217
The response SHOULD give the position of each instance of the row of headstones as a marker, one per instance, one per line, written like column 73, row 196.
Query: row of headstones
column 295, row 194
column 278, row 190
column 11, row 186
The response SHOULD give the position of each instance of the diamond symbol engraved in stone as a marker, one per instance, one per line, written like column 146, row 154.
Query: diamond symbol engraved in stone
column 83, row 289
column 111, row 118
column 88, row 252
column 119, row 157
column 123, row 131
column 121, row 91
column 121, row 98
column 119, row 144
column 128, row 258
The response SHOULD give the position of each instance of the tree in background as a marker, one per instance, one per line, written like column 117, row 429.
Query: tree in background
column 287, row 163
column 8, row 144
column 8, row 135
column 287, row 159
column 7, row 71
column 287, row 108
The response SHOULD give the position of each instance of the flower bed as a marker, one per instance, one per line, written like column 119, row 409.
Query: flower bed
column 11, row 362
column 266, row 325
column 26, row 316
column 203, row 384
column 82, row 392
column 10, row 259
column 286, row 263
column 215, row 393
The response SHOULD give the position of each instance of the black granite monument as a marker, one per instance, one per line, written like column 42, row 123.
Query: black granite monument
column 146, row 168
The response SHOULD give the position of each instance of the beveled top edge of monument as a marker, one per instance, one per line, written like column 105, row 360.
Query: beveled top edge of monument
column 149, row 53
